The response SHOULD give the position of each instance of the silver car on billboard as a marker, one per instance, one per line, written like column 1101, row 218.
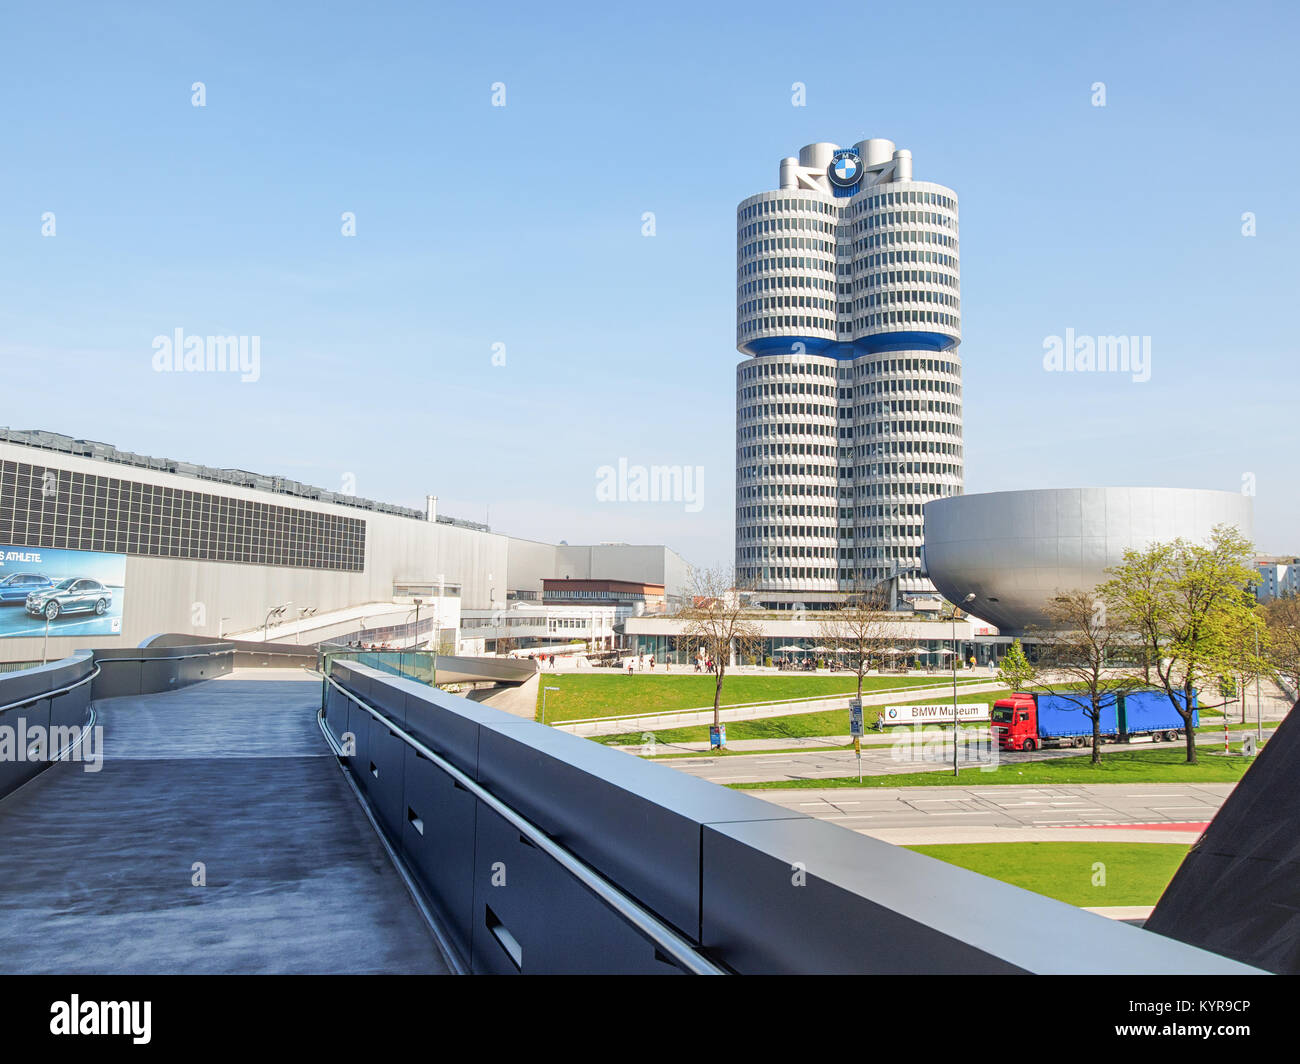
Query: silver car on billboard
column 74, row 595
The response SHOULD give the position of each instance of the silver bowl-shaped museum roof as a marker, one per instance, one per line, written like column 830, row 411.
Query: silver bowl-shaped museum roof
column 1016, row 549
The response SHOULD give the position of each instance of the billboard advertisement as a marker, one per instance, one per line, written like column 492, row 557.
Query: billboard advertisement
column 75, row 592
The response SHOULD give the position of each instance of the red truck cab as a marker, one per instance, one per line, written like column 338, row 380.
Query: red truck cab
column 1013, row 723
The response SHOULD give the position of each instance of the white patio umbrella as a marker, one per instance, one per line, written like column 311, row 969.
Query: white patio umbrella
column 790, row 649
column 892, row 651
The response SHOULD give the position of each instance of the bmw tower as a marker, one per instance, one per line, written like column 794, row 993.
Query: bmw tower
column 848, row 404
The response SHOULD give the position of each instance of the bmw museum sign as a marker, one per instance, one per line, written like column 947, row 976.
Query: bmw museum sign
column 75, row 592
column 845, row 170
column 936, row 714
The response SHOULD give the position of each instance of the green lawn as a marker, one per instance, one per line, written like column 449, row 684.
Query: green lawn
column 795, row 725
column 581, row 697
column 1135, row 873
column 1120, row 766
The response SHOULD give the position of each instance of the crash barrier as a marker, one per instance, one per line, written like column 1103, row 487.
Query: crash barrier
column 537, row 851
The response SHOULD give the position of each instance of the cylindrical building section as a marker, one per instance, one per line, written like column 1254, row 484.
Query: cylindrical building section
column 787, row 472
column 817, row 156
column 875, row 151
column 849, row 408
column 903, row 165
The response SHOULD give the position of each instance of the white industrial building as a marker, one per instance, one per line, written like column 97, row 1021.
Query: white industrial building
column 213, row 551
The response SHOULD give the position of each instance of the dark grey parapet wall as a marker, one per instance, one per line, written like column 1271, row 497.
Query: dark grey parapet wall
column 154, row 669
column 29, row 705
column 1238, row 891
column 754, row 887
column 249, row 653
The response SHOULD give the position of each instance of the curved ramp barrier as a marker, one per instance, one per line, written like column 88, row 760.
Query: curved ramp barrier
column 541, row 852
column 153, row 669
column 45, row 700
column 249, row 654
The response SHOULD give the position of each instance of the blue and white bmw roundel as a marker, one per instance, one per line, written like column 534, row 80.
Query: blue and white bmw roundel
column 845, row 169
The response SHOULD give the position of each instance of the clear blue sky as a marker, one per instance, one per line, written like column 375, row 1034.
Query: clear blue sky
column 522, row 225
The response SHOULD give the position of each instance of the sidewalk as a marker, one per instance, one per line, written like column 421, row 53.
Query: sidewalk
column 874, row 738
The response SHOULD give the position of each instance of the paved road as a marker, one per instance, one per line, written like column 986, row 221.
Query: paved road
column 96, row 868
column 906, row 752
column 907, row 813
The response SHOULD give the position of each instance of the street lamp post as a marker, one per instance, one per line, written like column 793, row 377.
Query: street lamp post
column 969, row 598
column 1259, row 717
column 276, row 611
column 544, row 690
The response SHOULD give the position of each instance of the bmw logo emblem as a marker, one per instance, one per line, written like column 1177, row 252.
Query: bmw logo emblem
column 845, row 170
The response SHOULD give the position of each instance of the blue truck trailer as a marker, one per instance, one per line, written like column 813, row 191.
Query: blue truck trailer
column 1035, row 721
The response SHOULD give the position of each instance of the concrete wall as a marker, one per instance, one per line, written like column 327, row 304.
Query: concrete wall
column 529, row 563
column 624, row 561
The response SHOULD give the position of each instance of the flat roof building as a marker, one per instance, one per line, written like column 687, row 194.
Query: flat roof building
column 179, row 547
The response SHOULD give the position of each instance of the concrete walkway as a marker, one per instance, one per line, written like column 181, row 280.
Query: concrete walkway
column 228, row 781
column 519, row 701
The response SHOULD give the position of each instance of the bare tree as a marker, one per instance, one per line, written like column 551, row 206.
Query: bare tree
column 1281, row 639
column 860, row 628
column 717, row 623
column 1077, row 650
column 1246, row 643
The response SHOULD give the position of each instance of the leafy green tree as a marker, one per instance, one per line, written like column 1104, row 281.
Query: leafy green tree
column 1014, row 669
column 1183, row 602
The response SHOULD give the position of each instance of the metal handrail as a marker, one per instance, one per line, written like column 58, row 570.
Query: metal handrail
column 85, row 728
column 51, row 694
column 669, row 941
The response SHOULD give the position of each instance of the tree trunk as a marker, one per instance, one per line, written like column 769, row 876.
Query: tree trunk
column 1096, row 739
column 717, row 698
column 1190, row 732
